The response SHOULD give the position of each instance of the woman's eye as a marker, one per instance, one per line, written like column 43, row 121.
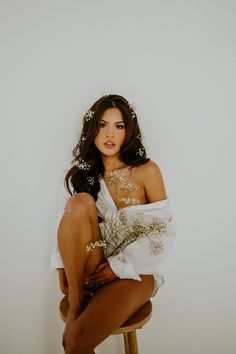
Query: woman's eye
column 102, row 125
column 120, row 126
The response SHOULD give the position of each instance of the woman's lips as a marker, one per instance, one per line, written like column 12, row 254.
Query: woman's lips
column 109, row 145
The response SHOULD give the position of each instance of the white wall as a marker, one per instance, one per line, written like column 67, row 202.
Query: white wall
column 176, row 61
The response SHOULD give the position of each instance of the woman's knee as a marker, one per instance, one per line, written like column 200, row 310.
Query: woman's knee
column 149, row 284
column 81, row 204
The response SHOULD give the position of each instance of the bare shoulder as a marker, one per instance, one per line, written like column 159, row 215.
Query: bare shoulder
column 150, row 168
column 148, row 171
column 151, row 177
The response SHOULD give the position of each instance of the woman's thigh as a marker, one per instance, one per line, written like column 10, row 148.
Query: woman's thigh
column 109, row 308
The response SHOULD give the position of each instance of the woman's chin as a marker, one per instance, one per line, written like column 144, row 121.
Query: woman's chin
column 109, row 153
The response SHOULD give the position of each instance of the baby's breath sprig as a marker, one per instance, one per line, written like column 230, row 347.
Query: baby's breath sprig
column 83, row 165
column 140, row 135
column 140, row 152
column 132, row 109
column 91, row 180
column 89, row 115
column 90, row 247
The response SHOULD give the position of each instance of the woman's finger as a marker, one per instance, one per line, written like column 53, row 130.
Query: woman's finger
column 104, row 275
column 97, row 280
column 101, row 266
column 88, row 293
column 95, row 276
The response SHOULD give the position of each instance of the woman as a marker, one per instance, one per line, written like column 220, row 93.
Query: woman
column 116, row 227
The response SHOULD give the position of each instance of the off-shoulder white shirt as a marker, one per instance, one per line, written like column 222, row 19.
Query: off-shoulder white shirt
column 136, row 238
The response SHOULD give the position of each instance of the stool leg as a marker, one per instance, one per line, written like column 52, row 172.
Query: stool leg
column 126, row 343
column 133, row 346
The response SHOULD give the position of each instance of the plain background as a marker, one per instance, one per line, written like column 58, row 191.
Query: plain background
column 175, row 60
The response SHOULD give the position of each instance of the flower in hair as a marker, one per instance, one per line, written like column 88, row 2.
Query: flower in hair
column 140, row 135
column 82, row 140
column 90, row 180
column 140, row 151
column 89, row 115
column 132, row 109
column 83, row 165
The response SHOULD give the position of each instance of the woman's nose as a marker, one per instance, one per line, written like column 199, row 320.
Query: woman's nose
column 110, row 131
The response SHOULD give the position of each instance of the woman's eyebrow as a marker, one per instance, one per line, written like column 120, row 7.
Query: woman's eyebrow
column 121, row 121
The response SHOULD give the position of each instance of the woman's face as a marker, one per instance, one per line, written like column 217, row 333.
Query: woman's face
column 111, row 133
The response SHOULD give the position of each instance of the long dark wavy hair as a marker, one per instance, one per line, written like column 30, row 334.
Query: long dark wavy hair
column 88, row 168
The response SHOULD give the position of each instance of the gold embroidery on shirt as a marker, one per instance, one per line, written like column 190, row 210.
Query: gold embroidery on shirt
column 156, row 247
column 122, row 258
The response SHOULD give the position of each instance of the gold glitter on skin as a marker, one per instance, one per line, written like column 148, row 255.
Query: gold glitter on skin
column 123, row 188
column 121, row 181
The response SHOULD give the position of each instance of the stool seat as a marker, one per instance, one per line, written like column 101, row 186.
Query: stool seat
column 128, row 329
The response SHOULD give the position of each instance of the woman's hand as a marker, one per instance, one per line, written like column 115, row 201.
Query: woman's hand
column 102, row 275
column 87, row 296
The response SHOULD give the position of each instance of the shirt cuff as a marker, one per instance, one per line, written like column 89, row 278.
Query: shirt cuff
column 122, row 267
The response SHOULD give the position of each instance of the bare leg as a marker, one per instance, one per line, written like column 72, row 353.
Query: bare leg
column 78, row 227
column 109, row 308
column 63, row 281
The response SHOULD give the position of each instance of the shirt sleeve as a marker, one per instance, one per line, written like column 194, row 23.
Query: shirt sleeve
column 144, row 255
column 56, row 261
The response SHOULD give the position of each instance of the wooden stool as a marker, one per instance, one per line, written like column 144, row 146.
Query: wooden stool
column 128, row 329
